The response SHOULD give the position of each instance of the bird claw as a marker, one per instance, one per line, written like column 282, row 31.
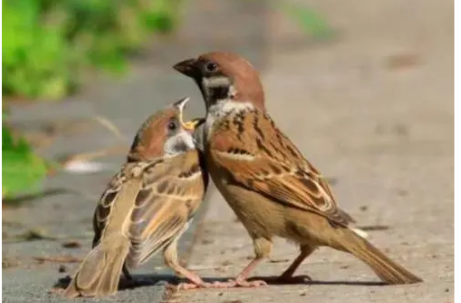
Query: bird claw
column 239, row 283
column 228, row 284
column 252, row 284
column 189, row 286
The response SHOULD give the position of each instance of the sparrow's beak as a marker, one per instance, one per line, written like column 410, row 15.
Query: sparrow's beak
column 192, row 124
column 187, row 67
column 180, row 105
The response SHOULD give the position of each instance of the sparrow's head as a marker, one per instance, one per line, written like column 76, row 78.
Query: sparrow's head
column 164, row 134
column 223, row 76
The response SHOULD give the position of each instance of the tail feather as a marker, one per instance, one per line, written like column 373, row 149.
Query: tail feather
column 386, row 269
column 99, row 274
column 360, row 232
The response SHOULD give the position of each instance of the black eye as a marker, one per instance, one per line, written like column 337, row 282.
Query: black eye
column 211, row 67
column 172, row 125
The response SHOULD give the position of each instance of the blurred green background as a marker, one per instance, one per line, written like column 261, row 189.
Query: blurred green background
column 49, row 46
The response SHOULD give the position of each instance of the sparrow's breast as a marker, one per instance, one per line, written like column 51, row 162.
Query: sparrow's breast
column 259, row 215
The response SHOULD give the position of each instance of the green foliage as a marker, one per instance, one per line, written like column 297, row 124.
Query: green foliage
column 22, row 169
column 47, row 44
column 36, row 60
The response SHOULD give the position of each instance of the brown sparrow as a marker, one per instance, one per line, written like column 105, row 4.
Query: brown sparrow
column 272, row 188
column 147, row 205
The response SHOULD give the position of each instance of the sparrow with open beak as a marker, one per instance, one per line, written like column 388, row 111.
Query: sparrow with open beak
column 272, row 188
column 147, row 205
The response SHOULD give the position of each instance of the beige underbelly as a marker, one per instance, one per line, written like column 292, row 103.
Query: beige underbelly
column 265, row 218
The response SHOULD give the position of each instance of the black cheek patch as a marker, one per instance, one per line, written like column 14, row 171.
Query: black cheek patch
column 180, row 147
column 219, row 93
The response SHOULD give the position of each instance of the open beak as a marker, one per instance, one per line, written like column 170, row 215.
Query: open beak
column 180, row 105
column 192, row 124
column 189, row 125
column 186, row 67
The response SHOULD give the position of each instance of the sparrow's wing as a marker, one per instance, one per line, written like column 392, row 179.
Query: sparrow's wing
column 106, row 203
column 257, row 156
column 172, row 191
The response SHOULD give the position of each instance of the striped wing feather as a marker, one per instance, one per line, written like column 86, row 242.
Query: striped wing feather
column 164, row 207
column 256, row 155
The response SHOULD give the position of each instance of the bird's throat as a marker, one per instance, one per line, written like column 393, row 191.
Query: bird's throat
column 215, row 89
column 222, row 109
column 213, row 95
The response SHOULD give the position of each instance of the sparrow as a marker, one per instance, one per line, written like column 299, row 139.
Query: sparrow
column 146, row 206
column 272, row 188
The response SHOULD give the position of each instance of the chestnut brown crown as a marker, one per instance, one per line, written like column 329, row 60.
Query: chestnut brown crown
column 164, row 133
column 224, row 75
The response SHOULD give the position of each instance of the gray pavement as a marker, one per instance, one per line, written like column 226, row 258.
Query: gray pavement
column 374, row 110
column 66, row 216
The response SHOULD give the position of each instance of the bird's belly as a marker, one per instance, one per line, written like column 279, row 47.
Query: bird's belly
column 266, row 218
column 259, row 215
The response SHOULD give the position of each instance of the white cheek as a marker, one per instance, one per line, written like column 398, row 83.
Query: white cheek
column 181, row 139
column 216, row 82
column 187, row 139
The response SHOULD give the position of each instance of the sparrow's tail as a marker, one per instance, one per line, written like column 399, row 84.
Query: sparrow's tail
column 99, row 274
column 389, row 271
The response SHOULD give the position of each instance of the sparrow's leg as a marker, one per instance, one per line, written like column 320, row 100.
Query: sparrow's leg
column 287, row 276
column 127, row 274
column 170, row 255
column 241, row 279
column 130, row 281
column 262, row 247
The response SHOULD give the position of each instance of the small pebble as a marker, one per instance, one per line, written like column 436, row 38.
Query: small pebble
column 226, row 263
column 72, row 244
column 402, row 192
column 403, row 60
column 206, row 241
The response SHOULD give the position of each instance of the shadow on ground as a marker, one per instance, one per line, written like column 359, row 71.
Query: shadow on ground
column 145, row 280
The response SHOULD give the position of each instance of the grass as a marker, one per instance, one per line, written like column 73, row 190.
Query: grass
column 48, row 45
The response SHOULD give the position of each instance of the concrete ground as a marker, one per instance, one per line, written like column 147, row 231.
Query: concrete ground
column 372, row 109
column 46, row 236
